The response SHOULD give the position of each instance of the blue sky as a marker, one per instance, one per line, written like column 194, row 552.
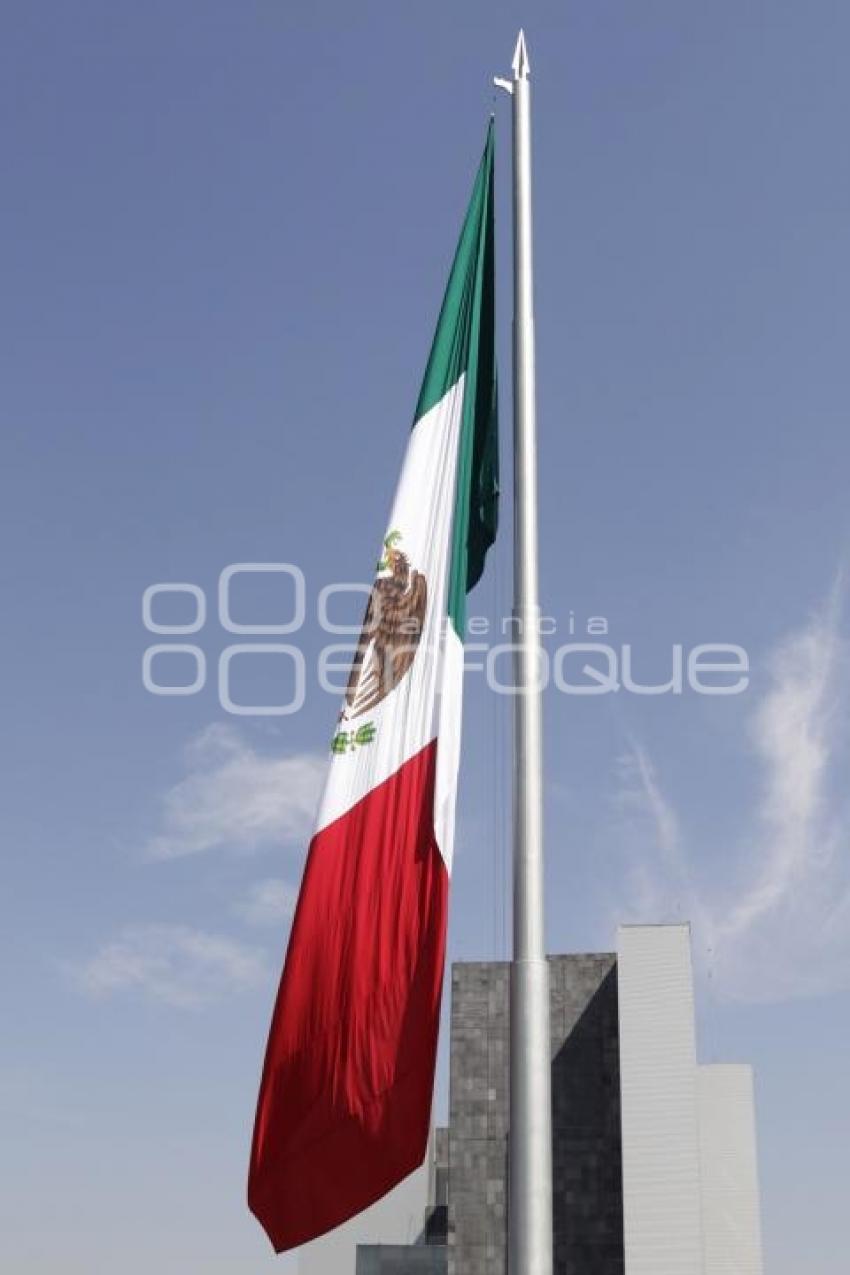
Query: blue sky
column 224, row 237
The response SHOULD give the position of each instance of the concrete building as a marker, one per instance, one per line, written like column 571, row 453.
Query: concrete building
column 429, row 1255
column 654, row 1157
column 728, row 1170
column 690, row 1181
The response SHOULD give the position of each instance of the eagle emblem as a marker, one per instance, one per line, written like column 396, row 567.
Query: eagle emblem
column 392, row 627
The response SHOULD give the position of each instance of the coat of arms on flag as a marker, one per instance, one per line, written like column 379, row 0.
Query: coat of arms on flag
column 392, row 628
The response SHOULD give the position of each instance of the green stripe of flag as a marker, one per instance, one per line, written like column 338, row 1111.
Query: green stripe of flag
column 464, row 342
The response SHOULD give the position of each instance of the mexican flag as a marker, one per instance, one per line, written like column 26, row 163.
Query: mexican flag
column 345, row 1099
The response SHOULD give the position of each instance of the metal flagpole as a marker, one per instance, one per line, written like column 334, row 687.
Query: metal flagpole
column 530, row 1136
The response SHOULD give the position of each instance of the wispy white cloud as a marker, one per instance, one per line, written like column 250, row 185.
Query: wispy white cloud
column 787, row 932
column 782, row 928
column 236, row 797
column 174, row 964
column 649, row 832
column 640, row 794
column 269, row 902
column 794, row 738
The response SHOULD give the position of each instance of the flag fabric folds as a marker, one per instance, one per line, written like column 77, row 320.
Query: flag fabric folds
column 345, row 1098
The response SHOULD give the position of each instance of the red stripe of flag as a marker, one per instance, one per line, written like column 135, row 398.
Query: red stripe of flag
column 345, row 1100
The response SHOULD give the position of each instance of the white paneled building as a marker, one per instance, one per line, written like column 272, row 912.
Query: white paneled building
column 690, row 1177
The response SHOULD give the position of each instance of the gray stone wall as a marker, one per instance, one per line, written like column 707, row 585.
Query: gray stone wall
column 586, row 1142
column 401, row 1259
column 587, row 1171
column 478, row 1108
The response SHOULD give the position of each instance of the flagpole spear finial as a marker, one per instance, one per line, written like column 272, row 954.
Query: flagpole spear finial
column 520, row 65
